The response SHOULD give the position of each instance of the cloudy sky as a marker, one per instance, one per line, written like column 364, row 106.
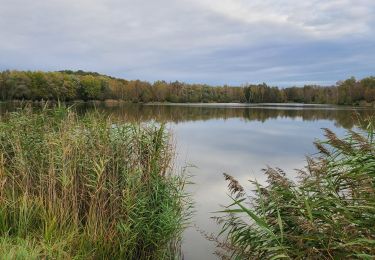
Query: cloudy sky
column 281, row 42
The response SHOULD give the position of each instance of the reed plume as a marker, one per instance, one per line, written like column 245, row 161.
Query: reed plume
column 329, row 213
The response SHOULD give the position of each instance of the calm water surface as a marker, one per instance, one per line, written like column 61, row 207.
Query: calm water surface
column 239, row 140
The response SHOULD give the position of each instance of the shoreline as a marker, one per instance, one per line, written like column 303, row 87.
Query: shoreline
column 115, row 102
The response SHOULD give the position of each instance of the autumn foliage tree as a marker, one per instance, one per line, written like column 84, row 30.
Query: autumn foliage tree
column 70, row 85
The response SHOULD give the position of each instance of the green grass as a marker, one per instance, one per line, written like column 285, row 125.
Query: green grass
column 87, row 187
column 329, row 213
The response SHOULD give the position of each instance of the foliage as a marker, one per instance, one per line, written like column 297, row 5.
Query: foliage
column 70, row 85
column 328, row 214
column 87, row 187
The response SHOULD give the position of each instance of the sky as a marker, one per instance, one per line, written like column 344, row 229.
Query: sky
column 280, row 42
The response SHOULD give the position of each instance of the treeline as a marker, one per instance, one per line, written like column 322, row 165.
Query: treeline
column 347, row 92
column 70, row 85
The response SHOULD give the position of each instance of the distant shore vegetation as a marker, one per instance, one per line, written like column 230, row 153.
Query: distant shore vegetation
column 70, row 85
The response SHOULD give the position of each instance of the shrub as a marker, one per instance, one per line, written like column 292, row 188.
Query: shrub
column 329, row 213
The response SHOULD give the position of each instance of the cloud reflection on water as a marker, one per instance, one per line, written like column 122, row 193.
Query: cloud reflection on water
column 240, row 148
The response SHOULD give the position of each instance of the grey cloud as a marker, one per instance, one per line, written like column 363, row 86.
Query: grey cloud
column 205, row 41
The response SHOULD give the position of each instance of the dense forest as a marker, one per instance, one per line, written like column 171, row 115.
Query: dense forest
column 70, row 85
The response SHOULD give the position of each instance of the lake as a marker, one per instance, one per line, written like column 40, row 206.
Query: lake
column 236, row 139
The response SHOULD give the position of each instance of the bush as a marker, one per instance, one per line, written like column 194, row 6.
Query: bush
column 329, row 213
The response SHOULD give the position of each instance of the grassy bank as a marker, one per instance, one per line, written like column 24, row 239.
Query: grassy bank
column 328, row 214
column 87, row 188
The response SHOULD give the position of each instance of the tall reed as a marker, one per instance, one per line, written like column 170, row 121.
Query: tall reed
column 329, row 213
column 87, row 187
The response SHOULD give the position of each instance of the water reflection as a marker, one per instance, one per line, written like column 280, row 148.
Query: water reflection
column 240, row 148
column 342, row 116
column 179, row 113
column 234, row 139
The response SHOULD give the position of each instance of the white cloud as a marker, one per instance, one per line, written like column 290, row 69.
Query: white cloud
column 320, row 18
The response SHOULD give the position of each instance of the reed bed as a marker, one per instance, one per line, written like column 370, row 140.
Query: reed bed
column 328, row 213
column 87, row 187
